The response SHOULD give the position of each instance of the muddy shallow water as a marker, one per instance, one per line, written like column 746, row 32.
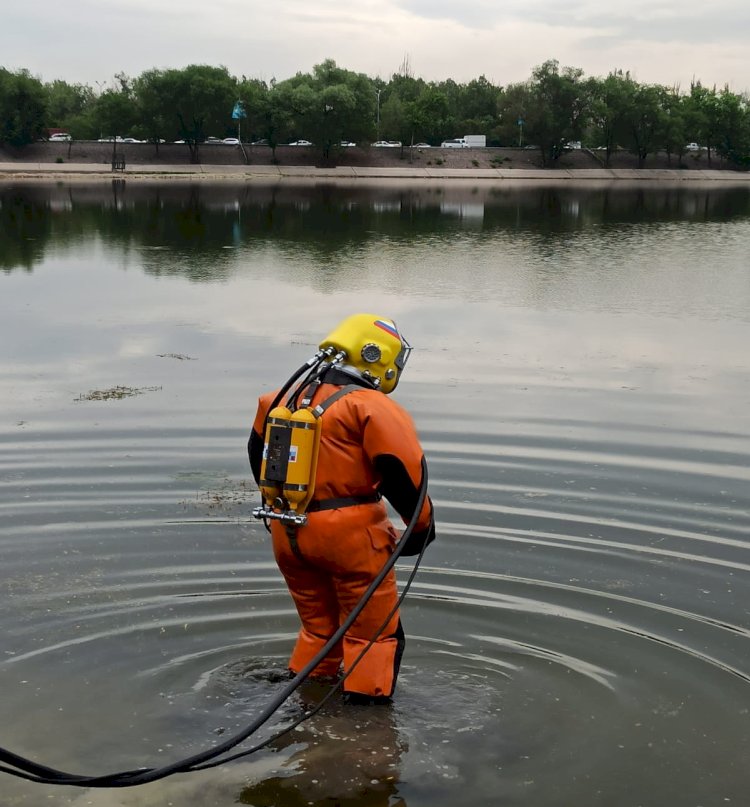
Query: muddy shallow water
column 579, row 632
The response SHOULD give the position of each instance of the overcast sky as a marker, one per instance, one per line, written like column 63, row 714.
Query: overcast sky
column 658, row 41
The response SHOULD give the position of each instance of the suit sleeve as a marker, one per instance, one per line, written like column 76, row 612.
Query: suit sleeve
column 390, row 441
column 257, row 436
column 255, row 454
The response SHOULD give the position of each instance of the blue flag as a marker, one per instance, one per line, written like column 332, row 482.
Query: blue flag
column 239, row 111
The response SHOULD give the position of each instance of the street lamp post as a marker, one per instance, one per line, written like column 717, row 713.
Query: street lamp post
column 377, row 92
column 100, row 84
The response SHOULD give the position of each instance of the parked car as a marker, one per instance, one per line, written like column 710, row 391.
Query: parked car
column 213, row 140
column 573, row 144
column 262, row 142
column 689, row 147
column 386, row 144
column 231, row 141
column 421, row 146
column 347, row 144
column 300, row 143
column 130, row 140
column 60, row 136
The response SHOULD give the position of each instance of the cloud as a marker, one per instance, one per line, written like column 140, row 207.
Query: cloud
column 663, row 42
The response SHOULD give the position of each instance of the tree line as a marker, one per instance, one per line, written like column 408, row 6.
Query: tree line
column 331, row 105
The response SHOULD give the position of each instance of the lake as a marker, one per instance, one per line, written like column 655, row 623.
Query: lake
column 578, row 634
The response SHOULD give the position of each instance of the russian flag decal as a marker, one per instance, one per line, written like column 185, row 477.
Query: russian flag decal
column 388, row 327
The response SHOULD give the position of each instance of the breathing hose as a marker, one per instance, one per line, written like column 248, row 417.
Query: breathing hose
column 35, row 772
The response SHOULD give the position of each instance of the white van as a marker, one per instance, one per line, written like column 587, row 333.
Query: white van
column 465, row 142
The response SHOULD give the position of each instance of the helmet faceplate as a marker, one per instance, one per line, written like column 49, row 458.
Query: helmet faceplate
column 373, row 347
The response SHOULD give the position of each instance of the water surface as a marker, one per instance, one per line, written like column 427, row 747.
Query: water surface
column 578, row 635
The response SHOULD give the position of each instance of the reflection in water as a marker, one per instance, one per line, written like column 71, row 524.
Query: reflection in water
column 200, row 220
column 577, row 635
column 343, row 755
column 575, row 246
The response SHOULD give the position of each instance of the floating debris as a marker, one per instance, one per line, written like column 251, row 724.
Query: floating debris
column 115, row 393
column 223, row 496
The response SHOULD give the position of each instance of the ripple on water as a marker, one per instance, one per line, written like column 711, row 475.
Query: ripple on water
column 586, row 584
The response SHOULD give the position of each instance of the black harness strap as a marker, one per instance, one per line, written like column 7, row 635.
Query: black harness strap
column 291, row 534
column 318, row 409
column 316, row 505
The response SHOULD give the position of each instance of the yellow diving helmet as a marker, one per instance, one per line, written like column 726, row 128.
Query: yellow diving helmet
column 374, row 348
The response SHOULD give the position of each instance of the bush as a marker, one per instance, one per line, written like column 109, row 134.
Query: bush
column 59, row 160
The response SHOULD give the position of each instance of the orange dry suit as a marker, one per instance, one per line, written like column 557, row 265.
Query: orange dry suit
column 368, row 449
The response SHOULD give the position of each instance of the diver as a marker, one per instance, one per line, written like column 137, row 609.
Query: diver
column 324, row 451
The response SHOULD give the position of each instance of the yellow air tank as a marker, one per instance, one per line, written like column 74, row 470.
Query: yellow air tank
column 303, row 459
column 275, row 454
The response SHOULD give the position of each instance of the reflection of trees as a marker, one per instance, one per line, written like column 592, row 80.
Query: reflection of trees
column 191, row 229
column 24, row 229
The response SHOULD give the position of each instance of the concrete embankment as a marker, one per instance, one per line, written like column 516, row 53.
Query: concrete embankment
column 91, row 160
column 246, row 173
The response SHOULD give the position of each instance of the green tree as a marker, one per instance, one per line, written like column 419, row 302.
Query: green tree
column 192, row 102
column 513, row 106
column 608, row 101
column 22, row 108
column 156, row 105
column 397, row 105
column 69, row 107
column 115, row 112
column 557, row 106
column 642, row 123
column 330, row 105
column 478, row 108
column 405, row 85
column 279, row 115
column 446, row 97
column 702, row 115
column 673, row 138
column 405, row 121
column 393, row 118
column 433, row 114
column 253, row 94
column 733, row 127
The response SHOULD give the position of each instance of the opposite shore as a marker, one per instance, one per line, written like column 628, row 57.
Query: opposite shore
column 88, row 171
column 86, row 160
